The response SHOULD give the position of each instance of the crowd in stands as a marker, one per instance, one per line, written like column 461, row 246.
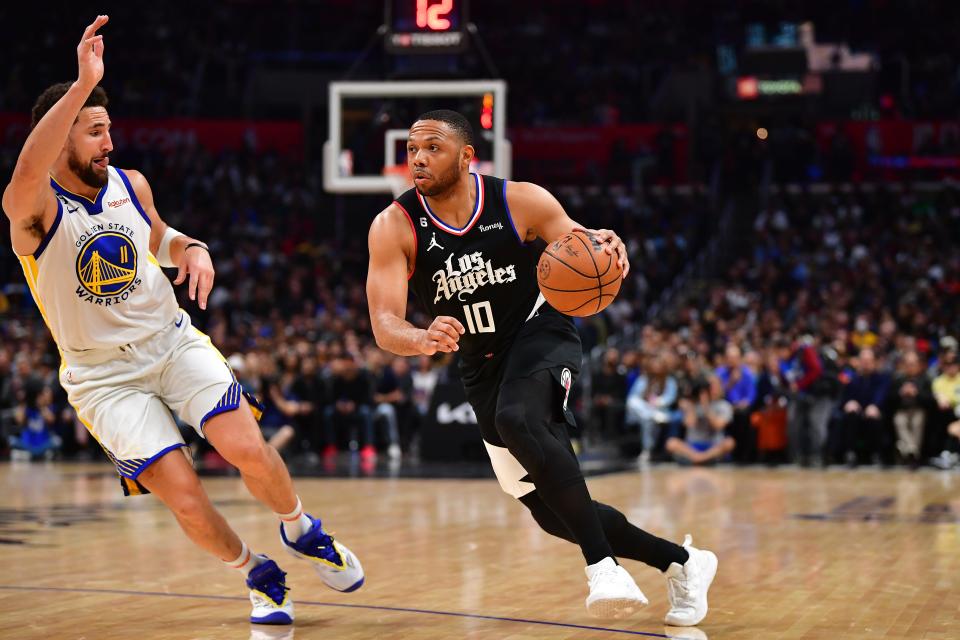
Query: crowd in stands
column 829, row 339
column 832, row 340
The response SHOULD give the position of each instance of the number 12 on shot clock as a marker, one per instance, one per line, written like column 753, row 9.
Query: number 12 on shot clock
column 431, row 14
column 426, row 26
column 479, row 317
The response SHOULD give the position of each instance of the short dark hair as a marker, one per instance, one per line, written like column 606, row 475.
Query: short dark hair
column 456, row 121
column 52, row 94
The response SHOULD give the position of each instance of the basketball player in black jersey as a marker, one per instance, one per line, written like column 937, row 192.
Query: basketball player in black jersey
column 468, row 246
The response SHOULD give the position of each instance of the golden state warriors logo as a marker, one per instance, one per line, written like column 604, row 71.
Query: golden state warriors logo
column 107, row 264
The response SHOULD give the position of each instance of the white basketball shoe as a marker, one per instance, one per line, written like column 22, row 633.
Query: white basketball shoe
column 613, row 593
column 336, row 565
column 687, row 586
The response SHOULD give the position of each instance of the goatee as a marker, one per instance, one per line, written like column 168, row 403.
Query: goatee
column 86, row 172
column 441, row 183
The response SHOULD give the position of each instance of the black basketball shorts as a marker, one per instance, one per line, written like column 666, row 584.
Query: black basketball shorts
column 548, row 341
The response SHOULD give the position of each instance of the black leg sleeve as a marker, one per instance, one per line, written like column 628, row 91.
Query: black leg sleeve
column 525, row 410
column 626, row 540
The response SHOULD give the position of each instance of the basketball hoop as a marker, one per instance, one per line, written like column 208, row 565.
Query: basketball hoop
column 399, row 177
column 354, row 125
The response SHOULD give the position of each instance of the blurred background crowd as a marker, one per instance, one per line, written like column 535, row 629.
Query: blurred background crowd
column 795, row 290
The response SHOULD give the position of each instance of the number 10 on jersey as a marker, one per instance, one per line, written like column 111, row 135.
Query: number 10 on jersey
column 479, row 317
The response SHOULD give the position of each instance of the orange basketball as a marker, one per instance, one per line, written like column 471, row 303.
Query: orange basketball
column 576, row 275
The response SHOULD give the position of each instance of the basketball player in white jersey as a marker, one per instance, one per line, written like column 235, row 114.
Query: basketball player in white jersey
column 91, row 245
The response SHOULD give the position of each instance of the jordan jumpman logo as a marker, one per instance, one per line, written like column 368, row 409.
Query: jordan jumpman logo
column 433, row 242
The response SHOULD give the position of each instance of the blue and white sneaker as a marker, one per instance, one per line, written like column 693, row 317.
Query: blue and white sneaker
column 337, row 566
column 268, row 594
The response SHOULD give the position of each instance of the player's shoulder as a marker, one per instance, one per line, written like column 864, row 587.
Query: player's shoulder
column 526, row 194
column 136, row 179
column 392, row 215
column 137, row 182
column 392, row 222
column 132, row 174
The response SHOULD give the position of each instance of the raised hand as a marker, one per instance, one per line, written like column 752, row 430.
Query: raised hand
column 90, row 54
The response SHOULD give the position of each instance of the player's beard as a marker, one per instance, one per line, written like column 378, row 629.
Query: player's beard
column 442, row 183
column 88, row 173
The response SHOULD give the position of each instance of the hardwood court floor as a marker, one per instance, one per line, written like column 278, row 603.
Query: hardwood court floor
column 803, row 554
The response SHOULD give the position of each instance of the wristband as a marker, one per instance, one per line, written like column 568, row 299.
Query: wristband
column 163, row 253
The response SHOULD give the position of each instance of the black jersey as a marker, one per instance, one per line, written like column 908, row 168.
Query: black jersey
column 482, row 274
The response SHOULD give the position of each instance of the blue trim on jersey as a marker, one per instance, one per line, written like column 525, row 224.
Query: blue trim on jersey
column 94, row 207
column 133, row 196
column 473, row 216
column 506, row 206
column 52, row 230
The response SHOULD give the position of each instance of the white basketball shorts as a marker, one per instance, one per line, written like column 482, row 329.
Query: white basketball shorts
column 125, row 395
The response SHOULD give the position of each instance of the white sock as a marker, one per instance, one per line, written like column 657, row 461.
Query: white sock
column 296, row 523
column 246, row 562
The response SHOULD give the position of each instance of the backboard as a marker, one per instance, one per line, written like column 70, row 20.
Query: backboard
column 361, row 112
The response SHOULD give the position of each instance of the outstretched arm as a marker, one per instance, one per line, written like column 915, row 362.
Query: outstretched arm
column 392, row 253
column 28, row 200
column 190, row 255
column 536, row 213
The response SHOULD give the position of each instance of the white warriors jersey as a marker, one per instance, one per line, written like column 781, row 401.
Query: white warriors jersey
column 93, row 276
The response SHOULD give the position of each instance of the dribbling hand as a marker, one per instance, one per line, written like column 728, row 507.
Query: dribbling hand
column 611, row 244
column 442, row 335
column 90, row 54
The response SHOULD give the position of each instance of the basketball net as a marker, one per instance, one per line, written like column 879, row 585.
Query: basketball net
column 400, row 178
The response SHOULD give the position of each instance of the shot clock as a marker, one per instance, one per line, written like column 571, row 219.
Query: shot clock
column 426, row 26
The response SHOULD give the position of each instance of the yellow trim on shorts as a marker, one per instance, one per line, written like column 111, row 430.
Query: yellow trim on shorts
column 132, row 487
column 86, row 424
column 257, row 413
column 209, row 342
